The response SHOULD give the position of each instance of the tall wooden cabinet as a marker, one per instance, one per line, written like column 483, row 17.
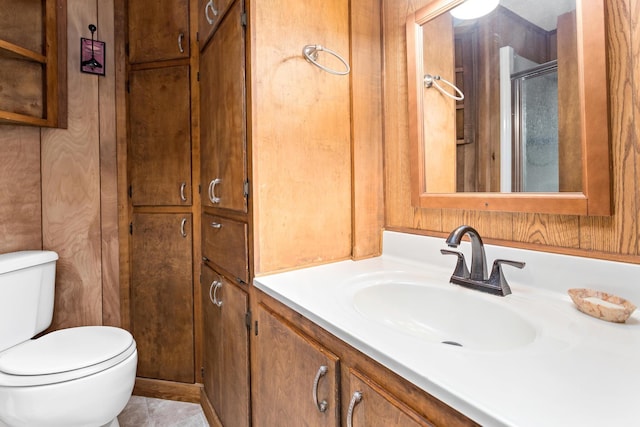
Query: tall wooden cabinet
column 163, row 207
column 225, row 207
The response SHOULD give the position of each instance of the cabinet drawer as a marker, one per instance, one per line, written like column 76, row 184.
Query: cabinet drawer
column 225, row 245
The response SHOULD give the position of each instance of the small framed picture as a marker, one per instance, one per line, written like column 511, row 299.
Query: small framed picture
column 92, row 55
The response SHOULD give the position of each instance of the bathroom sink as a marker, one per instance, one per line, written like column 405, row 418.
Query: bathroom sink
column 450, row 316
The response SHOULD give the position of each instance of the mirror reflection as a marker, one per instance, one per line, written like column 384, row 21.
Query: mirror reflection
column 517, row 128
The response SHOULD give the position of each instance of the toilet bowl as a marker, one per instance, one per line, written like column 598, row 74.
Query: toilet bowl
column 71, row 377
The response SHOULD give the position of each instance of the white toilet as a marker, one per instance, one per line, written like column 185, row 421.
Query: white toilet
column 80, row 376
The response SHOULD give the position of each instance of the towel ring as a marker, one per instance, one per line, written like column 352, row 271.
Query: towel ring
column 310, row 52
column 432, row 81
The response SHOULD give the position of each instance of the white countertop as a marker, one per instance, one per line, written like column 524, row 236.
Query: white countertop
column 579, row 371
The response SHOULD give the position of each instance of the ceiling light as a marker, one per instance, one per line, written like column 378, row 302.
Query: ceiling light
column 472, row 9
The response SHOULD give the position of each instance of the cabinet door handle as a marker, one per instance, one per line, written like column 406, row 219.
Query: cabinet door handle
column 211, row 6
column 322, row 406
column 212, row 190
column 183, row 187
column 216, row 301
column 180, row 38
column 183, row 232
column 216, row 225
column 355, row 399
column 212, row 292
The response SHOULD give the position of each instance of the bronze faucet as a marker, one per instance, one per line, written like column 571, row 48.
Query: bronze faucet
column 477, row 278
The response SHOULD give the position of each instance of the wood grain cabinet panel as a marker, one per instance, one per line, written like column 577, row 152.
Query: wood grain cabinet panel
column 286, row 371
column 210, row 13
column 160, row 137
column 226, row 348
column 158, row 30
column 224, row 243
column 375, row 407
column 223, row 135
column 162, row 295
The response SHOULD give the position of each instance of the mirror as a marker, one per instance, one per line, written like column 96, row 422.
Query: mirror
column 531, row 134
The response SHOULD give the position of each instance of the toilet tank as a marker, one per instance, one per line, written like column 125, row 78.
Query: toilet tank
column 27, row 282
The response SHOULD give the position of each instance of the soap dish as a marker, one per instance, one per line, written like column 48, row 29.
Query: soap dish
column 602, row 305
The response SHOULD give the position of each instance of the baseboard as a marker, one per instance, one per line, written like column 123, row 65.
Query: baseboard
column 208, row 410
column 170, row 390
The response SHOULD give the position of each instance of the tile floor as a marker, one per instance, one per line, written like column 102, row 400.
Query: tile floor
column 149, row 412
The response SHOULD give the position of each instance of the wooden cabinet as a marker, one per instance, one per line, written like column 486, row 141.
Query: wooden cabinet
column 33, row 62
column 226, row 348
column 210, row 13
column 160, row 136
column 162, row 295
column 223, row 135
column 287, row 353
column 158, row 30
column 295, row 380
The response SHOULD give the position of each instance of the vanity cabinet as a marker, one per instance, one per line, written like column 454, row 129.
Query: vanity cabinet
column 288, row 351
column 223, row 134
column 158, row 30
column 295, row 379
column 226, row 348
column 160, row 137
column 162, row 295
column 33, row 65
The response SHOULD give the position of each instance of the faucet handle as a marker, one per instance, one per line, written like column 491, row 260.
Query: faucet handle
column 461, row 266
column 497, row 277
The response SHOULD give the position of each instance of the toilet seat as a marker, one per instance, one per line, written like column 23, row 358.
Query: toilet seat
column 65, row 355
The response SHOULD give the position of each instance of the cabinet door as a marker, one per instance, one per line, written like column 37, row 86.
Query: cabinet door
column 288, row 383
column 160, row 137
column 210, row 13
column 158, row 30
column 162, row 295
column 223, row 116
column 226, row 348
column 371, row 406
column 225, row 244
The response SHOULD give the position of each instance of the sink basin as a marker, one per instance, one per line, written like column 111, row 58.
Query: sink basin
column 450, row 316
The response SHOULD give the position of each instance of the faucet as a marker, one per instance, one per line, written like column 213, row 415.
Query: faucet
column 477, row 278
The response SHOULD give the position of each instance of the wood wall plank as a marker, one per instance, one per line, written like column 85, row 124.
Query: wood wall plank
column 20, row 219
column 71, row 188
column 614, row 237
column 366, row 108
column 108, row 171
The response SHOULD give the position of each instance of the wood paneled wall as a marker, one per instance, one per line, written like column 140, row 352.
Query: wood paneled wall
column 614, row 237
column 59, row 189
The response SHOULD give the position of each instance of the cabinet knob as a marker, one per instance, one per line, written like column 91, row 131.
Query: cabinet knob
column 355, row 399
column 212, row 190
column 322, row 371
column 212, row 7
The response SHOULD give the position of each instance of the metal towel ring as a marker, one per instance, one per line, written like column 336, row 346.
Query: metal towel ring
column 432, row 81
column 310, row 52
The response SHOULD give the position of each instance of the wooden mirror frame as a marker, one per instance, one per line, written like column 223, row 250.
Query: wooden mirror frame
column 595, row 199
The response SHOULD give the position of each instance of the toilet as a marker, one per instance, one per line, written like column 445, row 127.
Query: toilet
column 71, row 377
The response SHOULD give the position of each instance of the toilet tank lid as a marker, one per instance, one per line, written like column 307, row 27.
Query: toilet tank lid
column 18, row 260
column 65, row 350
